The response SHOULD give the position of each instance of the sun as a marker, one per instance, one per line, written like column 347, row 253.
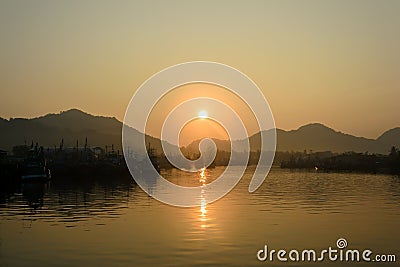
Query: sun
column 203, row 114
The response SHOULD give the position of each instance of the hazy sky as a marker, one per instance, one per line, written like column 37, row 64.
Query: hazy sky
column 200, row 128
column 334, row 62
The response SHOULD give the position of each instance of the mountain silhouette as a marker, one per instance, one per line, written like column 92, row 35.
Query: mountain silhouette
column 391, row 137
column 74, row 124
column 70, row 126
column 316, row 137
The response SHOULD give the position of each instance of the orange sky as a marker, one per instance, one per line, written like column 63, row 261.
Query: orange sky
column 197, row 129
column 331, row 62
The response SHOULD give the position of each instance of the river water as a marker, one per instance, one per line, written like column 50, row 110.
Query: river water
column 114, row 223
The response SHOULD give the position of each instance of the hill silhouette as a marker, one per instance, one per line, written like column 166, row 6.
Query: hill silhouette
column 390, row 137
column 317, row 137
column 70, row 126
column 74, row 124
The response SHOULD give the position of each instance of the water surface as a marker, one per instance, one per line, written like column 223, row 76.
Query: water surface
column 104, row 223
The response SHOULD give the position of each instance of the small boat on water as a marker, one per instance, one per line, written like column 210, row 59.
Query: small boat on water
column 153, row 158
column 34, row 167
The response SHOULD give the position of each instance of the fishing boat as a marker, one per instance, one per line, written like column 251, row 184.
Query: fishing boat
column 34, row 167
column 153, row 158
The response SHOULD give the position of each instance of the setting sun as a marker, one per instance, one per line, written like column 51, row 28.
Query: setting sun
column 203, row 114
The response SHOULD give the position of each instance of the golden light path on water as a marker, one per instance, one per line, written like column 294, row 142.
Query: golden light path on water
column 203, row 203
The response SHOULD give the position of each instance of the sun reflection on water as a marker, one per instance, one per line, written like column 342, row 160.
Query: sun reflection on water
column 203, row 176
column 203, row 203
